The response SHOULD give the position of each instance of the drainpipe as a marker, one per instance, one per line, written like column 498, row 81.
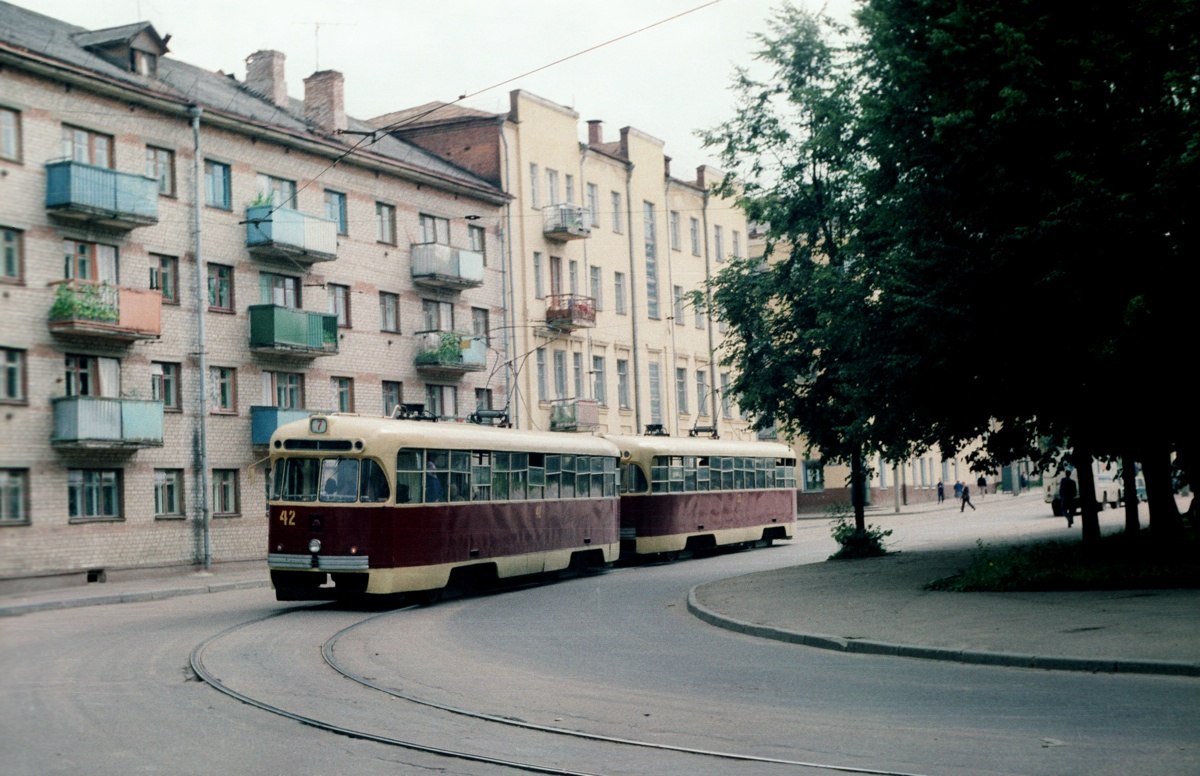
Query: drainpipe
column 507, row 299
column 633, row 316
column 673, row 360
column 201, row 432
column 708, row 306
column 589, row 388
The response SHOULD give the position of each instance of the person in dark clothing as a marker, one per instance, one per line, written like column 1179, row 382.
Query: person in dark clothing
column 982, row 483
column 966, row 498
column 1067, row 492
column 941, row 492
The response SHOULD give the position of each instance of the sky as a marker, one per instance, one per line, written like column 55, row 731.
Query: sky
column 667, row 81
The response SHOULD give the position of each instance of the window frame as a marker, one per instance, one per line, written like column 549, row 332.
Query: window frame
column 218, row 185
column 71, row 146
column 386, row 388
column 335, row 210
column 10, row 131
column 223, row 390
column 222, row 275
column 17, row 495
column 165, row 384
column 15, row 366
column 160, row 165
column 339, row 304
column 343, row 393
column 165, row 277
column 226, row 488
column 100, row 484
column 168, row 486
column 385, row 223
column 389, row 312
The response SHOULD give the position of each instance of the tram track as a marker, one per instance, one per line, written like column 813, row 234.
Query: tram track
column 569, row 744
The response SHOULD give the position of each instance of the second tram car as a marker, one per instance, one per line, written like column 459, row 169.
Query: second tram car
column 690, row 493
column 380, row 505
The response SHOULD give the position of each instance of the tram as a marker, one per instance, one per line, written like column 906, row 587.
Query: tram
column 688, row 494
column 381, row 505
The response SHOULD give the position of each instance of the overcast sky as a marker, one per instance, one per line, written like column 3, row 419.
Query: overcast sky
column 667, row 81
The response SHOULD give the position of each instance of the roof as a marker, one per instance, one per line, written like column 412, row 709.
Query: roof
column 430, row 113
column 38, row 37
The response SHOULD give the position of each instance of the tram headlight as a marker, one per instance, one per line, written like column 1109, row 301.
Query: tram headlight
column 314, row 546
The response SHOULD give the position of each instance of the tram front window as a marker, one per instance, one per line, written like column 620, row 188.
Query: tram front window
column 339, row 478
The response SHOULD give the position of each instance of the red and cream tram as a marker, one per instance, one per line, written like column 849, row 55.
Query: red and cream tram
column 692, row 493
column 379, row 505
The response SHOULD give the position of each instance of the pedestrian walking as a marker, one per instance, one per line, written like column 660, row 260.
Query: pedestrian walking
column 957, row 490
column 1066, row 497
column 966, row 498
column 941, row 492
column 982, row 483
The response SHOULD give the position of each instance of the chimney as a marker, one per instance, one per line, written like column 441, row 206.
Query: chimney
column 264, row 76
column 324, row 100
column 595, row 132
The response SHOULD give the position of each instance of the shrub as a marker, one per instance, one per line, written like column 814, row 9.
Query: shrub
column 852, row 542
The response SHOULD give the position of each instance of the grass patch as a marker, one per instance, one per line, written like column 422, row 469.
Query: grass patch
column 1118, row 562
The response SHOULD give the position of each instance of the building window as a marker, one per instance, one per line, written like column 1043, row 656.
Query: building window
column 434, row 229
column 673, row 222
column 335, row 210
column 217, row 185
column 539, row 284
column 719, row 243
column 220, row 288
column 442, row 400
column 552, row 187
column 279, row 192
column 393, row 396
column 651, row 242
column 681, row 397
column 87, row 147
column 439, row 316
column 343, row 393
column 483, row 398
column 593, row 203
column 168, row 492
column 222, row 385
column 160, row 165
column 12, row 262
column 12, row 382
column 10, row 134
column 623, row 383
column 284, row 390
column 14, row 496
column 569, row 188
column 577, row 371
column 481, row 325
column 599, row 392
column 694, row 233
column 224, row 492
column 339, row 304
column 389, row 312
column 619, row 291
column 737, row 244
column 164, row 275
column 164, row 384
column 560, row 374
column 596, row 288
column 477, row 236
column 92, row 376
column 700, row 316
column 282, row 290
column 726, row 403
column 541, row 374
column 678, row 300
column 94, row 494
column 656, row 415
column 701, row 392
column 814, row 475
column 385, row 223
column 143, row 63
column 616, row 211
column 91, row 262
column 534, row 200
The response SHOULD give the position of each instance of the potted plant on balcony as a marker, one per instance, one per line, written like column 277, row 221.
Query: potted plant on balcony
column 83, row 302
column 448, row 350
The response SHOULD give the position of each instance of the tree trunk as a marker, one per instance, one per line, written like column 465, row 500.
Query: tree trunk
column 1089, row 517
column 1166, row 524
column 857, row 496
column 1129, row 490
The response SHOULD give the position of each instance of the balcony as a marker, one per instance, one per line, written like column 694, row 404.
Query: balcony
column 281, row 233
column 566, row 312
column 574, row 415
column 440, row 266
column 264, row 421
column 287, row 331
column 100, row 423
column 450, row 352
column 106, row 312
column 100, row 196
column 566, row 222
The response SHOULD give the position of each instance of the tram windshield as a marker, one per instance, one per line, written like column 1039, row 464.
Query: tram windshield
column 329, row 480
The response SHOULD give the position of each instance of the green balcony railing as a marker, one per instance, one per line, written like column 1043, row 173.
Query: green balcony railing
column 282, row 233
column 99, row 195
column 102, row 422
column 274, row 328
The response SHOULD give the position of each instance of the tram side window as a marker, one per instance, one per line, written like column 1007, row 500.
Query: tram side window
column 339, row 480
column 373, row 487
column 702, row 474
column 659, row 476
column 410, row 468
column 296, row 479
column 500, row 478
column 537, row 475
column 785, row 472
column 764, row 473
column 437, row 476
column 518, row 474
column 568, row 476
column 610, row 477
column 727, row 473
column 460, row 475
column 633, row 479
column 597, row 476
column 553, row 476
column 481, row 475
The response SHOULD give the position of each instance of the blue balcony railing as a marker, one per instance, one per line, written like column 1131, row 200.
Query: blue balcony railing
column 101, row 422
column 282, row 233
column 264, row 421
column 279, row 329
column 441, row 266
column 99, row 195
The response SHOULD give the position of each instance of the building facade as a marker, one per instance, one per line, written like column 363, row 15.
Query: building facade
column 190, row 260
column 610, row 254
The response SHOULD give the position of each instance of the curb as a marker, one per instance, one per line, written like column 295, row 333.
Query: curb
column 971, row 657
column 133, row 597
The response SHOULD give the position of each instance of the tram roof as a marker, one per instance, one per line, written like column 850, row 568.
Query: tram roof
column 666, row 445
column 390, row 432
